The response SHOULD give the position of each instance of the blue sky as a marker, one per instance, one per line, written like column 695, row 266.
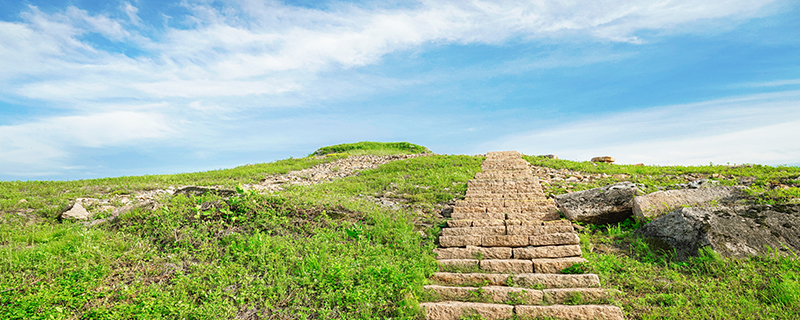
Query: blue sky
column 108, row 88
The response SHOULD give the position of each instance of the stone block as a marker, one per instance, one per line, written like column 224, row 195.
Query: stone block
column 471, row 279
column 474, row 231
column 564, row 295
column 548, row 280
column 498, row 294
column 547, row 252
column 594, row 312
column 472, row 252
column 554, row 239
column 459, row 241
column 554, row 265
column 470, row 209
column 478, row 216
column 453, row 310
column 459, row 223
column 504, row 241
column 488, row 222
column 464, row 263
column 507, row 266
column 535, row 230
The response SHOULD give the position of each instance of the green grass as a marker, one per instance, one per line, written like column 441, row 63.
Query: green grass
column 656, row 286
column 49, row 198
column 763, row 189
column 372, row 148
column 329, row 251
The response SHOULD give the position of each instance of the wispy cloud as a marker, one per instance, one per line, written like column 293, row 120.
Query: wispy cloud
column 755, row 128
column 247, row 45
column 44, row 146
column 262, row 54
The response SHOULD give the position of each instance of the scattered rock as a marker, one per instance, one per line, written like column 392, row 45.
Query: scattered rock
column 22, row 201
column 76, row 211
column 198, row 191
column 550, row 156
column 113, row 217
column 738, row 232
column 697, row 184
column 609, row 204
column 606, row 159
column 659, row 203
column 327, row 171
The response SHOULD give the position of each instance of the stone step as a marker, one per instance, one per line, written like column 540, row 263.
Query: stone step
column 579, row 312
column 539, row 230
column 459, row 241
column 549, row 265
column 554, row 280
column 554, row 239
column 505, row 241
column 473, row 252
column 524, row 280
column 491, row 265
column 575, row 295
column 475, row 223
column 554, row 265
column 454, row 310
column 477, row 215
column 495, row 294
column 547, row 252
column 470, row 279
column 515, row 241
column 474, row 231
column 500, row 222
column 506, row 266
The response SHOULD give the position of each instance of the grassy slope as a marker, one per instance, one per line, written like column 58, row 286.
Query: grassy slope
column 328, row 251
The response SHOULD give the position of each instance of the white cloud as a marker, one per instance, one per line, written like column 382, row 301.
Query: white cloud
column 131, row 12
column 248, row 45
column 265, row 54
column 42, row 147
column 759, row 128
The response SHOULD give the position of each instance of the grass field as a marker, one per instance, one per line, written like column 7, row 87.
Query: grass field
column 330, row 251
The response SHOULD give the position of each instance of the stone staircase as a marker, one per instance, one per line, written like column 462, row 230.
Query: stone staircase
column 502, row 253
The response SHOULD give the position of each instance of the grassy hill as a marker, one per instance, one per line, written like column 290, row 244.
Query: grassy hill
column 331, row 251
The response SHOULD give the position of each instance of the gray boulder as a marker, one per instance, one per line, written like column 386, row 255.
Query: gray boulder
column 736, row 232
column 607, row 204
column 659, row 203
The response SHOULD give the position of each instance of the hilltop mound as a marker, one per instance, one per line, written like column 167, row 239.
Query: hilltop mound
column 355, row 245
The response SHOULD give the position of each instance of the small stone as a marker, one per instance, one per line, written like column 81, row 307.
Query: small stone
column 76, row 212
column 605, row 159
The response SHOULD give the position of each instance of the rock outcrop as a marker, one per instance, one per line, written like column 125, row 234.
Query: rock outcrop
column 609, row 204
column 738, row 232
column 659, row 203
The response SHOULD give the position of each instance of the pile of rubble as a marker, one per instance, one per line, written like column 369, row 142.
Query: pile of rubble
column 327, row 171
